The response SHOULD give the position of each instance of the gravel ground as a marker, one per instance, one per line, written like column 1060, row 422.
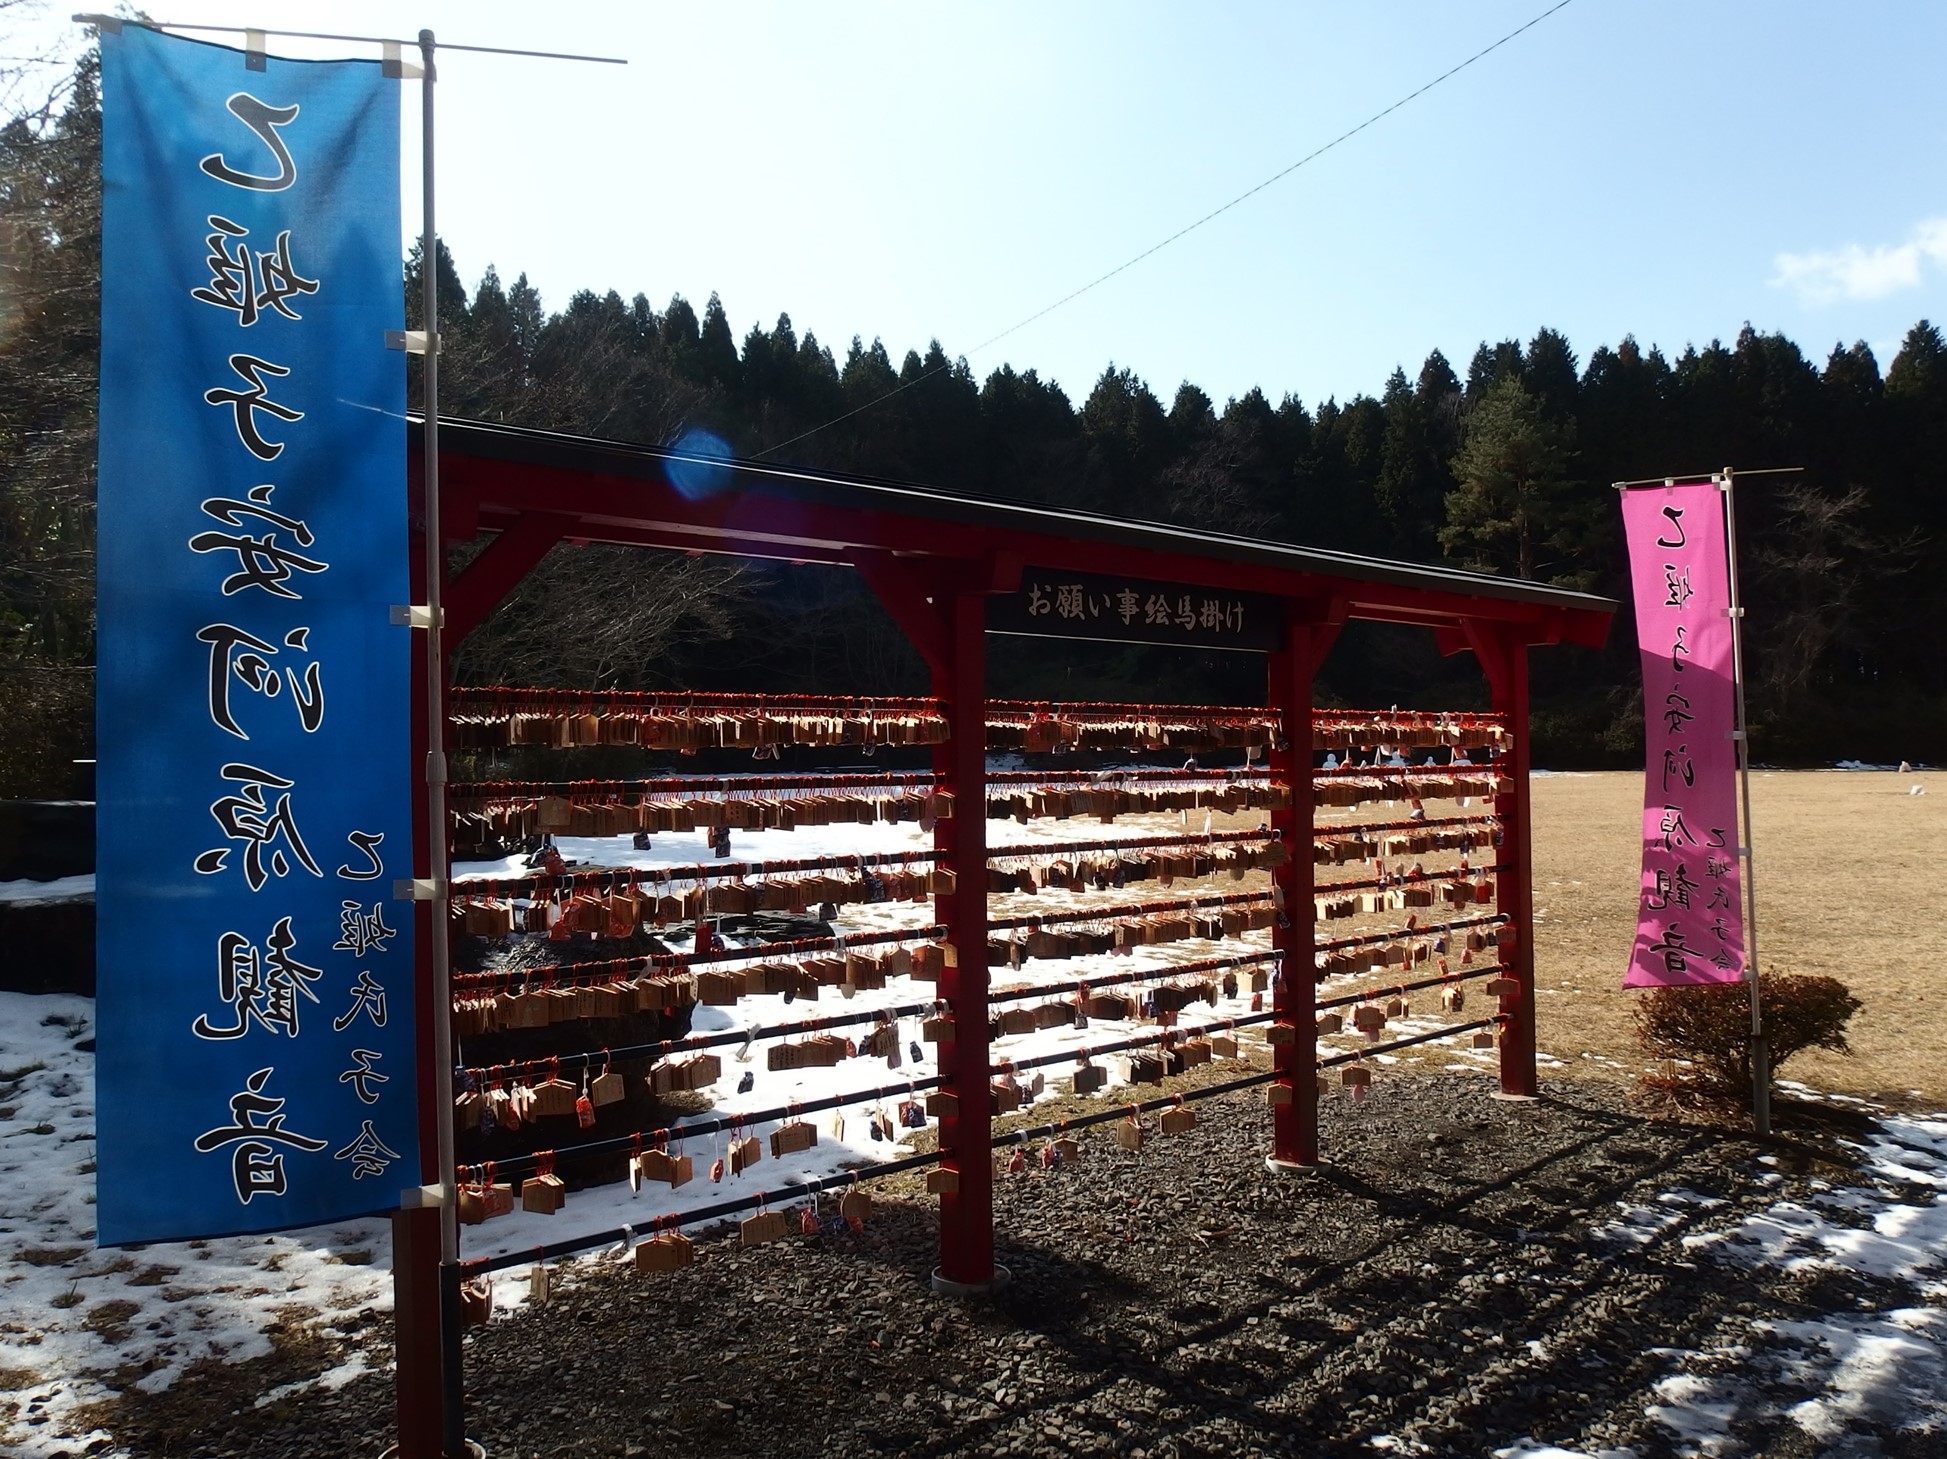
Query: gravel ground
column 1434, row 1287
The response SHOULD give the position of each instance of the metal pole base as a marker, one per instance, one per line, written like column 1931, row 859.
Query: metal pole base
column 1760, row 1076
column 473, row 1449
column 1002, row 1276
column 1515, row 1098
column 1288, row 1167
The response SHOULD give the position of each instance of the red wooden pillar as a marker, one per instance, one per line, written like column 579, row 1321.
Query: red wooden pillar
column 1294, row 1124
column 966, row 1134
column 1504, row 657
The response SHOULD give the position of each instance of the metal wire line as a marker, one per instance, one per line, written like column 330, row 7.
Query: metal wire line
column 1188, row 228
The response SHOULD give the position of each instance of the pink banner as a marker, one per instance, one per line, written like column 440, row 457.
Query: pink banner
column 1690, row 921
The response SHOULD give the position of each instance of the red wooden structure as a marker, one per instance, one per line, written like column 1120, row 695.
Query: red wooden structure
column 933, row 559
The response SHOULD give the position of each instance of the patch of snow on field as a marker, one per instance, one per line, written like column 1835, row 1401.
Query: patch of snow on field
column 1700, row 1409
column 330, row 1381
column 1643, row 1223
column 1905, row 1238
column 1887, row 1368
column 27, row 893
column 69, row 1313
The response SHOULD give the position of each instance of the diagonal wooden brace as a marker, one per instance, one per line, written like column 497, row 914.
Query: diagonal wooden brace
column 484, row 583
column 918, row 598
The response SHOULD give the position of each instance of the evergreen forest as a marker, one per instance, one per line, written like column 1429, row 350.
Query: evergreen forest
column 1501, row 462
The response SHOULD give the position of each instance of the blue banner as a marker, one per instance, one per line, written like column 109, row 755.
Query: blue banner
column 255, row 1065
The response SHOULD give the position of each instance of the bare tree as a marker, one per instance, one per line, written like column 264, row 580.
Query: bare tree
column 601, row 617
column 36, row 59
column 50, row 286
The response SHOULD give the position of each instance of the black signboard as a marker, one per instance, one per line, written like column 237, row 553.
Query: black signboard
column 1081, row 605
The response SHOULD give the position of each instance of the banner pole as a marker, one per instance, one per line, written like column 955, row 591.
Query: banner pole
column 437, row 869
column 1760, row 1050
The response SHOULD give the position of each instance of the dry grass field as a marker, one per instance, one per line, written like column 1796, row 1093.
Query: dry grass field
column 1851, row 883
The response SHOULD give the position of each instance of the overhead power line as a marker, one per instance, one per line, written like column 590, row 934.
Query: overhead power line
column 1180, row 233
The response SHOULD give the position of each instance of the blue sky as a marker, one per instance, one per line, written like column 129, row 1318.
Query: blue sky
column 914, row 171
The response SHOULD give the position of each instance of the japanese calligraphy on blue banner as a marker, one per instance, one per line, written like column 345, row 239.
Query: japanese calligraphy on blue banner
column 255, row 1065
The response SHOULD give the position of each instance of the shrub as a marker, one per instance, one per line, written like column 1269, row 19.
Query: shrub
column 1711, row 1027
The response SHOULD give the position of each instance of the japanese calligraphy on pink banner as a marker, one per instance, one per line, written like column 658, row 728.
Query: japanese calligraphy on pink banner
column 1690, row 925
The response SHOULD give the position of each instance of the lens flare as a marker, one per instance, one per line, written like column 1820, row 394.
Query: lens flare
column 703, row 471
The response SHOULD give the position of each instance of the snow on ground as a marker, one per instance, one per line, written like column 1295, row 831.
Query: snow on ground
column 692, row 848
column 69, row 1313
column 1884, row 1369
column 59, row 889
column 1643, row 1222
column 1887, row 1368
column 1893, row 1225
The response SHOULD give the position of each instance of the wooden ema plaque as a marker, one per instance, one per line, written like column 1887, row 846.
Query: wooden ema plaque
column 764, row 1226
column 791, row 1137
column 668, row 1252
